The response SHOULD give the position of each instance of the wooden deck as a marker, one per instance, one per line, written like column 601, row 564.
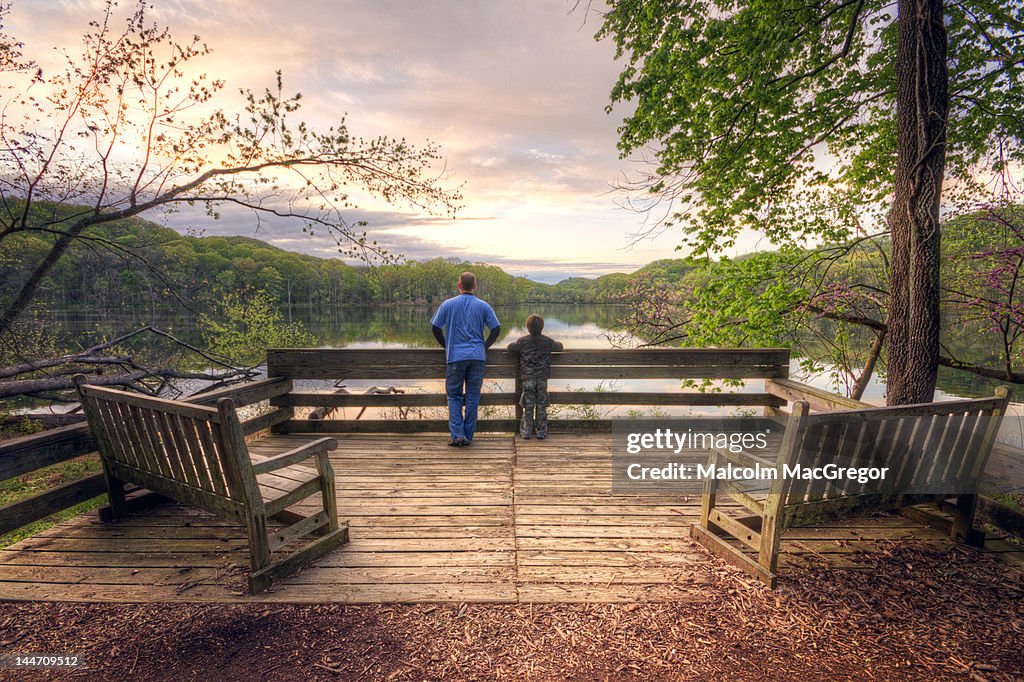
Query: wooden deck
column 506, row 520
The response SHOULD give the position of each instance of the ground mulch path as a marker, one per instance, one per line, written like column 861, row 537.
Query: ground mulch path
column 916, row 613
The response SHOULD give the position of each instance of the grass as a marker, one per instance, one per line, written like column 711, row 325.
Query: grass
column 1014, row 501
column 24, row 427
column 22, row 487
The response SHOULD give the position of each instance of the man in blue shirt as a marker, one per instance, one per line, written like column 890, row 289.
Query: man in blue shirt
column 463, row 319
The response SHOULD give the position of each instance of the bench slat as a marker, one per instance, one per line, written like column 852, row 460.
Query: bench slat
column 128, row 418
column 860, row 450
column 136, row 449
column 226, row 485
column 182, row 492
column 148, row 443
column 882, row 413
column 818, row 399
column 923, row 440
column 208, row 460
column 196, row 455
column 171, row 406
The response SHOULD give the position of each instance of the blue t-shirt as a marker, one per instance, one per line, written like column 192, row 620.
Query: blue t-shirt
column 463, row 319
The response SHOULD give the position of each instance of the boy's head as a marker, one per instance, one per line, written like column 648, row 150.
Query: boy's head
column 467, row 282
column 535, row 324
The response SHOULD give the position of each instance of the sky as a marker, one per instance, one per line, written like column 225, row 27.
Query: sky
column 514, row 92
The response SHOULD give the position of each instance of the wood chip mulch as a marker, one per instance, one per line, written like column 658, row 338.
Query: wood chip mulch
column 914, row 613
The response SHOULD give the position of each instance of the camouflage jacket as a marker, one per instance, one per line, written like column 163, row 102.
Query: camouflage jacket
column 534, row 355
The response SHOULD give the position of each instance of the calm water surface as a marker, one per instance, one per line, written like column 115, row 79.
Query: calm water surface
column 576, row 326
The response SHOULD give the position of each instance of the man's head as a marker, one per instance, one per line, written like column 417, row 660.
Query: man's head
column 535, row 324
column 467, row 282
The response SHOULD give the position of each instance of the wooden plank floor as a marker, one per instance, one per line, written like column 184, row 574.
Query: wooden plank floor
column 506, row 520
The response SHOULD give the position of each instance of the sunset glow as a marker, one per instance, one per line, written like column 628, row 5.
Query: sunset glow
column 514, row 94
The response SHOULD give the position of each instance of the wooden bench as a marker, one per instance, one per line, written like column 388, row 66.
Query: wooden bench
column 413, row 365
column 956, row 436
column 198, row 456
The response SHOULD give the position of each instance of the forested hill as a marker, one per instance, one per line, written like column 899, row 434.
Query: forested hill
column 138, row 263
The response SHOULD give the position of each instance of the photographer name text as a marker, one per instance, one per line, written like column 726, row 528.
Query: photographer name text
column 730, row 472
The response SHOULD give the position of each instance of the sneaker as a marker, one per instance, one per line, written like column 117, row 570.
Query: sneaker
column 454, row 442
column 462, row 442
column 541, row 437
column 526, row 436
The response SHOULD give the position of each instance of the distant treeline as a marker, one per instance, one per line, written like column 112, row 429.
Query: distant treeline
column 140, row 264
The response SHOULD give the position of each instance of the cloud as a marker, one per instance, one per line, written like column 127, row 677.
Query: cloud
column 542, row 267
column 515, row 94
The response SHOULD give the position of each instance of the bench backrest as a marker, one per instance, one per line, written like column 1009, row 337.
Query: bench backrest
column 194, row 454
column 928, row 449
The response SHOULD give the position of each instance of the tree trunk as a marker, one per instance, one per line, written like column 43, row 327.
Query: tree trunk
column 31, row 286
column 864, row 379
column 922, row 104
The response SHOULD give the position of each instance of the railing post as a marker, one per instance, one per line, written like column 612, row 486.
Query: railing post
column 518, row 395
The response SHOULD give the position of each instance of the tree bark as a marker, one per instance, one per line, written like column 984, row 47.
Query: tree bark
column 29, row 288
column 864, row 379
column 922, row 105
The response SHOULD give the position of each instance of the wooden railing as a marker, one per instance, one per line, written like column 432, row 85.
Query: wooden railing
column 26, row 454
column 401, row 365
column 29, row 453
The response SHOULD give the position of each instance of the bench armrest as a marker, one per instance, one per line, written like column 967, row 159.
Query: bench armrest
column 294, row 456
column 744, row 458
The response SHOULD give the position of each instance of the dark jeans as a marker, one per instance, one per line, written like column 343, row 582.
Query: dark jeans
column 463, row 381
column 534, row 398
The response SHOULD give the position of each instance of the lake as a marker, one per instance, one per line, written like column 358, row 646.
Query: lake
column 576, row 326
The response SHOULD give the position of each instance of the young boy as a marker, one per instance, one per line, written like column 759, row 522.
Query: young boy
column 534, row 369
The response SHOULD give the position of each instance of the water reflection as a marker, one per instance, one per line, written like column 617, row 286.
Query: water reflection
column 576, row 326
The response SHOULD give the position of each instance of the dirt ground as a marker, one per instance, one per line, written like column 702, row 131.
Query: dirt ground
column 915, row 613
